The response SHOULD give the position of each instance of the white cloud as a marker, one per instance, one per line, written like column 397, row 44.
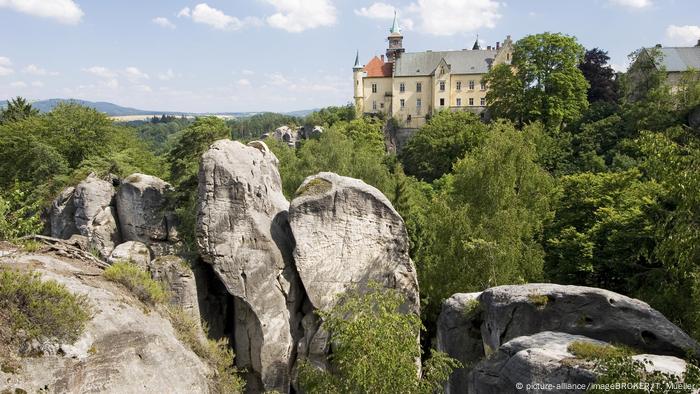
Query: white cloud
column 683, row 35
column 37, row 84
column 247, row 72
column 64, row 11
column 112, row 83
column 133, row 74
column 377, row 11
column 18, row 84
column 244, row 82
column 448, row 17
column 203, row 13
column 277, row 79
column 143, row 88
column 5, row 66
column 33, row 69
column 167, row 76
column 100, row 71
column 296, row 16
column 163, row 22
column 632, row 3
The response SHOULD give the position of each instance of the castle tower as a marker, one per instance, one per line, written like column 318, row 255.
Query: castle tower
column 395, row 41
column 357, row 74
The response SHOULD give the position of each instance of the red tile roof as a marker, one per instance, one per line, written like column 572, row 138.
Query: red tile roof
column 378, row 68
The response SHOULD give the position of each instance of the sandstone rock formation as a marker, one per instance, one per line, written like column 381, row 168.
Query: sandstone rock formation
column 124, row 348
column 347, row 233
column 141, row 205
column 293, row 136
column 544, row 358
column 133, row 251
column 179, row 280
column 242, row 231
column 62, row 215
column 502, row 313
column 95, row 214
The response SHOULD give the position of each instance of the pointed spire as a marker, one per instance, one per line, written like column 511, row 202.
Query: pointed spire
column 357, row 60
column 476, row 46
column 395, row 29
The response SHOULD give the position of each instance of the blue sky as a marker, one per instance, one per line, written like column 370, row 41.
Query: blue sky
column 281, row 55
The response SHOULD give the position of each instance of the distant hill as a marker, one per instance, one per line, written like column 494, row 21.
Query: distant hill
column 117, row 110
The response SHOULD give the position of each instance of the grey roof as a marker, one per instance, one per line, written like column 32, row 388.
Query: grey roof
column 412, row 64
column 681, row 58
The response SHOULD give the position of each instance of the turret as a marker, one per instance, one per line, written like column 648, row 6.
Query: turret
column 357, row 74
column 395, row 41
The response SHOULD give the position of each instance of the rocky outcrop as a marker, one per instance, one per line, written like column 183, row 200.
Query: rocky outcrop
column 62, row 215
column 544, row 358
column 95, row 214
column 135, row 252
column 179, row 281
column 502, row 313
column 141, row 205
column 242, row 231
column 125, row 348
column 293, row 136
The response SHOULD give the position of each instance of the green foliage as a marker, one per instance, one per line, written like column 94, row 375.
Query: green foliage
column 254, row 126
column 544, row 84
column 600, row 76
column 593, row 351
column 624, row 375
column 434, row 149
column 158, row 135
column 217, row 353
column 19, row 215
column 34, row 309
column 137, row 280
column 374, row 348
column 329, row 116
column 183, row 159
column 17, row 109
column 484, row 226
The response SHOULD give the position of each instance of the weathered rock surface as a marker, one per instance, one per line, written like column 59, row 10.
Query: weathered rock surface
column 242, row 231
column 544, row 358
column 347, row 233
column 62, row 215
column 95, row 214
column 179, row 281
column 141, row 204
column 508, row 312
column 133, row 251
column 124, row 348
column 293, row 136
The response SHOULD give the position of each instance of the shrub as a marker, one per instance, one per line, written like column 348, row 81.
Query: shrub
column 593, row 351
column 217, row 353
column 624, row 375
column 137, row 280
column 19, row 216
column 35, row 309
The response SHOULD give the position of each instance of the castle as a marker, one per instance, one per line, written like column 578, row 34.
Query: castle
column 410, row 86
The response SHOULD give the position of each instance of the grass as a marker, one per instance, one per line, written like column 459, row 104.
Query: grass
column 314, row 186
column 216, row 353
column 539, row 300
column 472, row 308
column 34, row 309
column 593, row 351
column 138, row 281
column 31, row 246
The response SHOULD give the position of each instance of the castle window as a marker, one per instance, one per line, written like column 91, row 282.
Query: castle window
column 442, row 86
column 471, row 101
column 483, row 101
column 374, row 105
column 419, row 103
column 459, row 86
column 483, row 85
column 374, row 88
column 471, row 85
column 419, row 87
column 459, row 102
column 403, row 103
column 381, row 105
column 402, row 87
column 442, row 102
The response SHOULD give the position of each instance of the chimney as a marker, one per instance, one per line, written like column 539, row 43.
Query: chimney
column 498, row 45
column 382, row 58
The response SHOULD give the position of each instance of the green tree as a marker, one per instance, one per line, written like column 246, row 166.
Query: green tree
column 374, row 348
column 600, row 76
column 544, row 83
column 17, row 109
column 484, row 225
column 434, row 149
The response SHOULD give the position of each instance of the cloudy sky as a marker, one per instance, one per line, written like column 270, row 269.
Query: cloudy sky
column 280, row 55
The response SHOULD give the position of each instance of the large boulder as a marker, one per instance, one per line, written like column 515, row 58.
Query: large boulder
column 96, row 214
column 125, row 347
column 506, row 312
column 530, row 363
column 142, row 204
column 133, row 251
column 62, row 215
column 243, row 232
column 179, row 281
